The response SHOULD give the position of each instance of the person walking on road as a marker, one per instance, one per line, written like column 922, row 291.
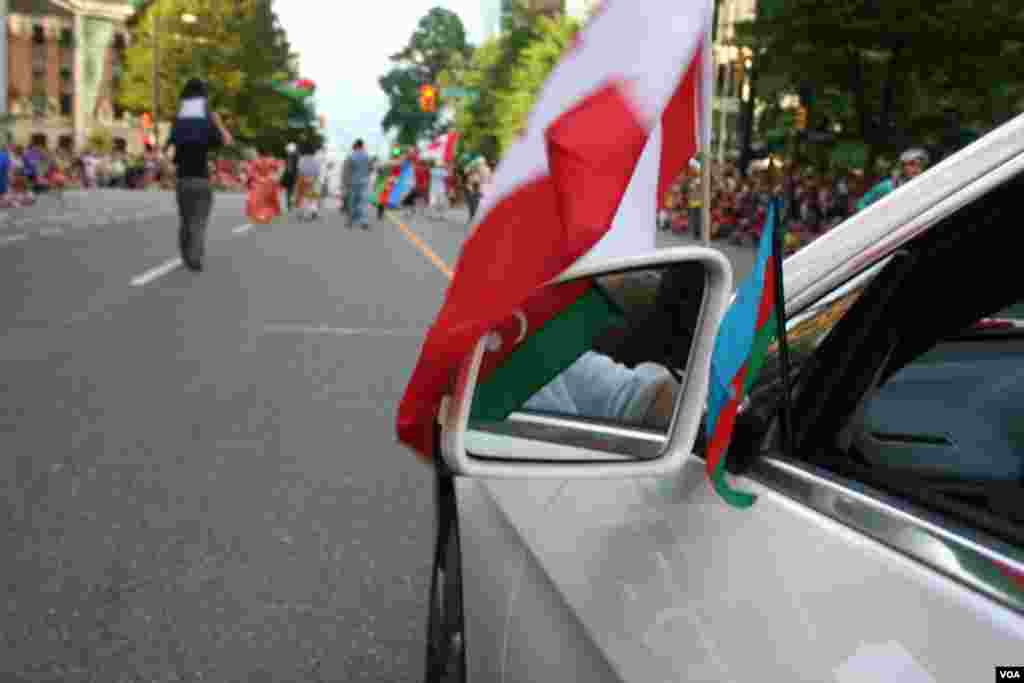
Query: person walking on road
column 291, row 174
column 478, row 177
column 359, row 179
column 346, row 185
column 309, row 173
column 196, row 130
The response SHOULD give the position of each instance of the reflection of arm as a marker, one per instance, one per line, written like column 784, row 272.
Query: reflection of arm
column 596, row 386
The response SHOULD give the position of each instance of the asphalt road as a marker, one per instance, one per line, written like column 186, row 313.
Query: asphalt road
column 199, row 478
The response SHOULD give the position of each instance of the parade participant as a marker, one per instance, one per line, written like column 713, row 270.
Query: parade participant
column 291, row 173
column 360, row 181
column 309, row 173
column 196, row 130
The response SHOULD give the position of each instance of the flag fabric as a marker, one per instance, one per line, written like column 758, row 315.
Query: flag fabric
column 298, row 90
column 404, row 183
column 382, row 190
column 742, row 343
column 579, row 185
column 442, row 149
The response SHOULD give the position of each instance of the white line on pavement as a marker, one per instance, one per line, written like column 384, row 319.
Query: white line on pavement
column 242, row 229
column 154, row 273
column 341, row 331
column 9, row 239
column 50, row 232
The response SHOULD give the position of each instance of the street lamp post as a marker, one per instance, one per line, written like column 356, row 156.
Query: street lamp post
column 156, row 75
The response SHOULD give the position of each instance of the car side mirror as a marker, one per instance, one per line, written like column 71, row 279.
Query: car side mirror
column 603, row 374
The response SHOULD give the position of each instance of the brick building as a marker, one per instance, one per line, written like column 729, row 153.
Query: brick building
column 64, row 62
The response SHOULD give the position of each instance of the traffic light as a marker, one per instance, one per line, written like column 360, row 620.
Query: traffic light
column 428, row 98
column 801, row 118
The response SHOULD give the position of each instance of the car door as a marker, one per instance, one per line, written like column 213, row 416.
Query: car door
column 837, row 573
column 887, row 541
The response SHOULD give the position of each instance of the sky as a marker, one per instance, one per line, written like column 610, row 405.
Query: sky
column 344, row 47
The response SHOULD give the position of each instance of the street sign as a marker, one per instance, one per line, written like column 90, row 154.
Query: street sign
column 454, row 93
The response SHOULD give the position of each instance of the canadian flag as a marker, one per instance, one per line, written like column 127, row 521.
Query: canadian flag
column 443, row 148
column 604, row 141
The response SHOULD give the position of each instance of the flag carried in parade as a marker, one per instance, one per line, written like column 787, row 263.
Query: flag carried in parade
column 404, row 183
column 746, row 332
column 298, row 90
column 605, row 139
column 443, row 148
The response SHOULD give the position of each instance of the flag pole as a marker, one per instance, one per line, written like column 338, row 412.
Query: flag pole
column 708, row 86
column 786, row 423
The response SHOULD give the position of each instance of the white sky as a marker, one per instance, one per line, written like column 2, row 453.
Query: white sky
column 343, row 47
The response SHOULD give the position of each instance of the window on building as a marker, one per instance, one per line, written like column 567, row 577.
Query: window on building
column 65, row 105
column 39, row 105
column 38, row 34
column 119, row 42
column 118, row 112
column 66, row 143
column 120, row 144
column 67, row 37
column 39, row 140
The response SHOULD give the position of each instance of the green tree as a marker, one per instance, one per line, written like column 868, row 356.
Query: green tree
column 239, row 47
column 439, row 36
column 536, row 61
column 438, row 43
column 884, row 70
column 402, row 86
column 508, row 72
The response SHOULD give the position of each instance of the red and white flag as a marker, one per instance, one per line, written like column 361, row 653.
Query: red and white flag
column 443, row 148
column 606, row 138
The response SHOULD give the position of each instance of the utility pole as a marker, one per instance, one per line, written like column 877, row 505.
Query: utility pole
column 3, row 70
column 156, row 74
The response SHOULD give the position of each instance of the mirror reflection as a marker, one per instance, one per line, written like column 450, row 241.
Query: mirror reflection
column 616, row 353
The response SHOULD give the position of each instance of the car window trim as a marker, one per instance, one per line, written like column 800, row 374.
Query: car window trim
column 965, row 554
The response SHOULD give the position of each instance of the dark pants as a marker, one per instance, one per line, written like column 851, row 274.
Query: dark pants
column 695, row 222
column 473, row 202
column 195, row 200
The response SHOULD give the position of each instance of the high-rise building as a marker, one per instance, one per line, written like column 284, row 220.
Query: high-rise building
column 64, row 65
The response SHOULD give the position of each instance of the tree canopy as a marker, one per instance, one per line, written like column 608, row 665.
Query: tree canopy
column 884, row 71
column 508, row 73
column 238, row 47
column 438, row 42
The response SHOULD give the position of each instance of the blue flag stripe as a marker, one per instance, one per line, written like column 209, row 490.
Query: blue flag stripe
column 736, row 334
column 403, row 185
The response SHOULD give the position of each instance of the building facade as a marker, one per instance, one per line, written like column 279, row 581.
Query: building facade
column 64, row 65
column 732, row 68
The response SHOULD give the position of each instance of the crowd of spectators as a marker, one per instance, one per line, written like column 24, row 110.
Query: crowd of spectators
column 814, row 201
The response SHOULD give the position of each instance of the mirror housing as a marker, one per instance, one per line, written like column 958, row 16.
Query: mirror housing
column 524, row 452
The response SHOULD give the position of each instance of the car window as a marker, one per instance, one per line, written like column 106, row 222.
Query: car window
column 954, row 411
column 806, row 331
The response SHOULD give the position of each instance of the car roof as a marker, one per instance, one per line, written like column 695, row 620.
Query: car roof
column 903, row 214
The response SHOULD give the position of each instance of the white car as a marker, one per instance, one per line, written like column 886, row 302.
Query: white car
column 887, row 539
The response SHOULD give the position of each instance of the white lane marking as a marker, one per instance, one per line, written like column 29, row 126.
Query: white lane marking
column 340, row 331
column 241, row 229
column 50, row 232
column 9, row 239
column 154, row 273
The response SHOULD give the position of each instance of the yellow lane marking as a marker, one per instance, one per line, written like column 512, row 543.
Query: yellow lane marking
column 422, row 246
